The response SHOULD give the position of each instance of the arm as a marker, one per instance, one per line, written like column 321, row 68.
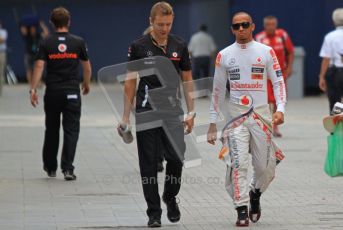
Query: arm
column 275, row 75
column 3, row 38
column 129, row 86
column 86, row 67
column 218, row 96
column 37, row 75
column 188, row 88
column 45, row 29
column 190, row 46
column 87, row 72
column 326, row 53
column 290, row 51
column 290, row 59
column 323, row 69
column 129, row 95
column 23, row 31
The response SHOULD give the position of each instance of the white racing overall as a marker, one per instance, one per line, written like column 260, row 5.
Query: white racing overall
column 247, row 67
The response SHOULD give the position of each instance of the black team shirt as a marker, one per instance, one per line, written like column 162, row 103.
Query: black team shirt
column 176, row 50
column 62, row 53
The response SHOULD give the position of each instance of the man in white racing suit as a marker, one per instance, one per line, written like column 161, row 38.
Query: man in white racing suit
column 247, row 65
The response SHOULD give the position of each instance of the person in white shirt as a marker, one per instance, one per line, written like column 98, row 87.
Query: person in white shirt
column 247, row 65
column 331, row 71
column 3, row 47
column 202, row 49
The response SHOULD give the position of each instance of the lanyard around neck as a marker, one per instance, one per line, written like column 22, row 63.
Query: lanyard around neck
column 162, row 47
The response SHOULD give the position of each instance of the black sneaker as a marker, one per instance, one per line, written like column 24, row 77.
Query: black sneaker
column 69, row 175
column 255, row 207
column 154, row 222
column 51, row 173
column 160, row 167
column 173, row 211
column 242, row 216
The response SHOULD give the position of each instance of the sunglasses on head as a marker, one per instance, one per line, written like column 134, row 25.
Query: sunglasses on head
column 245, row 25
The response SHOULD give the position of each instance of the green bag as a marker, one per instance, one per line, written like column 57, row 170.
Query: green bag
column 334, row 158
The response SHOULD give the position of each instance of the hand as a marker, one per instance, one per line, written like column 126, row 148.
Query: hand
column 23, row 30
column 278, row 118
column 85, row 88
column 322, row 84
column 212, row 134
column 288, row 71
column 189, row 124
column 34, row 98
column 338, row 118
column 42, row 23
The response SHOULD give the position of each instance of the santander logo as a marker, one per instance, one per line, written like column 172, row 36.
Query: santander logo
column 246, row 86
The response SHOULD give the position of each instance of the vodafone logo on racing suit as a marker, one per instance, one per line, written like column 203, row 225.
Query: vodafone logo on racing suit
column 62, row 48
column 245, row 100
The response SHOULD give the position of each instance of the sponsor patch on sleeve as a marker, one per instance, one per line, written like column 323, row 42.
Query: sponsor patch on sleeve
column 278, row 73
column 276, row 66
column 218, row 59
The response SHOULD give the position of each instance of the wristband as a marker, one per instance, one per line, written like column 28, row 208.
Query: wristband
column 32, row 91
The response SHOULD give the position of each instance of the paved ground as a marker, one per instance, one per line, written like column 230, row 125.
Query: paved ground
column 108, row 194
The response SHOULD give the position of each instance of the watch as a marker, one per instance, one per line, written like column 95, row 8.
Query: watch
column 192, row 114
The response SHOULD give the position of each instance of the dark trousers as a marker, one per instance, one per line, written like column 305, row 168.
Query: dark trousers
column 334, row 83
column 67, row 104
column 149, row 143
column 201, row 67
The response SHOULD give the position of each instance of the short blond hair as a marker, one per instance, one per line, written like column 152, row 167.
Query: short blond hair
column 337, row 16
column 161, row 8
